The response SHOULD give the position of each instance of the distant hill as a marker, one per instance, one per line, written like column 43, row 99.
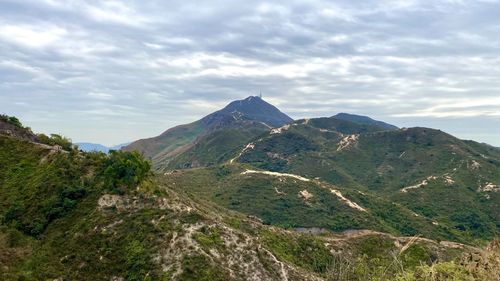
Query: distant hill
column 88, row 147
column 220, row 146
column 364, row 120
column 119, row 146
column 242, row 120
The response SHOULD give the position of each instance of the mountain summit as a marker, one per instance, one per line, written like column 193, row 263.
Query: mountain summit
column 255, row 108
column 253, row 114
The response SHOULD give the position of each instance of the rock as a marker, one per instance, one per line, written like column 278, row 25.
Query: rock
column 110, row 201
column 305, row 194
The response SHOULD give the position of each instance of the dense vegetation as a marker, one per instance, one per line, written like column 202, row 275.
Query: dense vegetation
column 47, row 193
column 38, row 186
column 122, row 170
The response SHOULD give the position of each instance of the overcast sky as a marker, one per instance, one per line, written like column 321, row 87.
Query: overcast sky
column 116, row 71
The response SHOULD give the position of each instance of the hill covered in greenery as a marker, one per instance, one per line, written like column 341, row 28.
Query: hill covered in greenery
column 410, row 181
column 71, row 215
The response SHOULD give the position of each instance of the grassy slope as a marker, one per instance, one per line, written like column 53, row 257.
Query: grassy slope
column 276, row 201
column 380, row 164
column 216, row 147
column 159, row 148
column 155, row 233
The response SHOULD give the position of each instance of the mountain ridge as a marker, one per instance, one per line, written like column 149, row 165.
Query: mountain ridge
column 364, row 120
column 252, row 112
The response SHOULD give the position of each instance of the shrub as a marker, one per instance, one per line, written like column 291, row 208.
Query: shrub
column 199, row 268
column 137, row 259
column 56, row 139
column 11, row 120
column 124, row 170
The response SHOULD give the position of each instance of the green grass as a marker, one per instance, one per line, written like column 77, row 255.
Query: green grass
column 198, row 268
column 209, row 238
column 305, row 251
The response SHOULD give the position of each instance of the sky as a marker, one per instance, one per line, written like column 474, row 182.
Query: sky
column 115, row 71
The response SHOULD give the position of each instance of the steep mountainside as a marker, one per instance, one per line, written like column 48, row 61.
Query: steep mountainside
column 413, row 181
column 252, row 115
column 71, row 215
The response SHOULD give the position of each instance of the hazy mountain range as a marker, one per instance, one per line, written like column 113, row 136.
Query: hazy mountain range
column 88, row 147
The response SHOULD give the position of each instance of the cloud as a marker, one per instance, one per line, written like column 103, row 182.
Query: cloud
column 101, row 96
column 140, row 67
column 31, row 36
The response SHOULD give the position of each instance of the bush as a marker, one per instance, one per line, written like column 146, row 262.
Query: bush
column 199, row 268
column 56, row 139
column 137, row 261
column 124, row 170
column 11, row 120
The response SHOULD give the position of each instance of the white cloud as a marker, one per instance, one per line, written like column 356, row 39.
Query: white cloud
column 32, row 36
column 115, row 12
column 101, row 96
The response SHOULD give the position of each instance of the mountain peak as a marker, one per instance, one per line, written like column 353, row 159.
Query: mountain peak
column 255, row 108
column 254, row 98
column 252, row 113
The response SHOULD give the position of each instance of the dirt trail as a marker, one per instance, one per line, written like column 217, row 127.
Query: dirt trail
column 276, row 174
column 335, row 192
column 248, row 147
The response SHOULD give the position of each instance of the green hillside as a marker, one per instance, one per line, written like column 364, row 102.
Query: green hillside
column 215, row 148
column 412, row 181
column 71, row 215
column 428, row 171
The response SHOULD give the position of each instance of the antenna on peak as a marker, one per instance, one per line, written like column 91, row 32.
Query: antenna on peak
column 260, row 94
